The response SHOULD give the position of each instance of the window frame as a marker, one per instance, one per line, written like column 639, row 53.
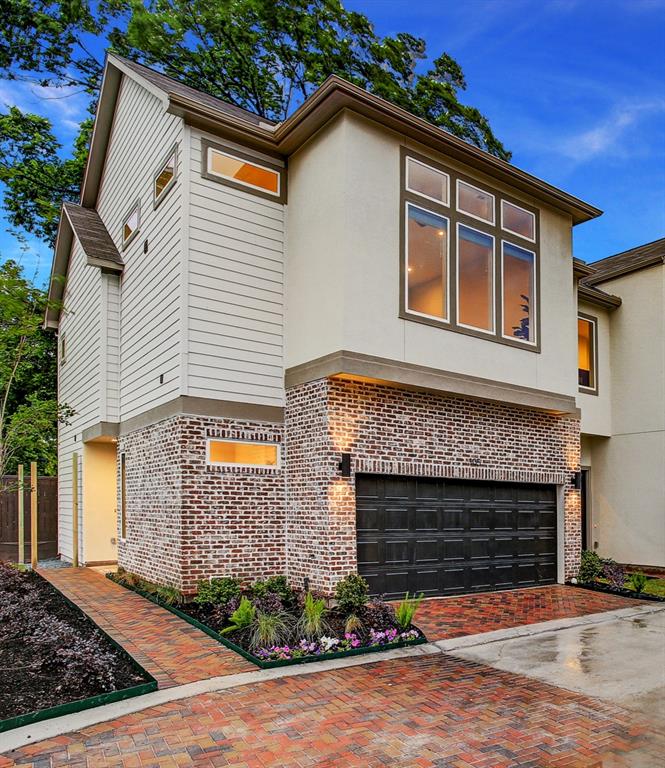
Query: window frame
column 594, row 354
column 504, row 228
column 259, row 161
column 63, row 348
column 536, row 296
column 466, row 183
column 238, row 465
column 136, row 206
column 157, row 198
column 432, row 167
column 448, row 303
column 484, row 331
column 123, row 497
column 454, row 217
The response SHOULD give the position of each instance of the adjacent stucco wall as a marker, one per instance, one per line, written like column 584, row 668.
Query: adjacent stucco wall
column 343, row 268
column 596, row 409
column 628, row 470
column 99, row 502
column 235, row 290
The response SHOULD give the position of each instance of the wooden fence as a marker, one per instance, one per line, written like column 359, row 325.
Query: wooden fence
column 47, row 518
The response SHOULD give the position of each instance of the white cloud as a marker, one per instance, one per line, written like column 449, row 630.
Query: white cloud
column 65, row 106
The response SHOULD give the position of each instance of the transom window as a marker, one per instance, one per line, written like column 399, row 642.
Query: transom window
column 235, row 453
column 586, row 353
column 465, row 267
column 235, row 169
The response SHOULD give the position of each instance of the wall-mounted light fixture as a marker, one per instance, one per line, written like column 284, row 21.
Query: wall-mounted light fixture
column 577, row 480
column 345, row 465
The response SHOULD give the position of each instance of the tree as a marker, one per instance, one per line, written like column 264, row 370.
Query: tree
column 264, row 55
column 29, row 412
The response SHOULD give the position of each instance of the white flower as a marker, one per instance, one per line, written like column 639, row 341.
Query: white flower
column 328, row 643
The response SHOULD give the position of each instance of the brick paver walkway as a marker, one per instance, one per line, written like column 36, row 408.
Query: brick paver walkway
column 445, row 618
column 166, row 646
column 426, row 712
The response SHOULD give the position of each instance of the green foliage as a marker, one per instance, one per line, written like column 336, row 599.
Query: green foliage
column 277, row 585
column 655, row 587
column 406, row 610
column 638, row 581
column 269, row 629
column 242, row 618
column 266, row 56
column 164, row 593
column 353, row 623
column 217, row 591
column 351, row 593
column 591, row 567
column 312, row 623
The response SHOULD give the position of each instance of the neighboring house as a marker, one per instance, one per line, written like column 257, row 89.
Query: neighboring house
column 342, row 342
column 622, row 386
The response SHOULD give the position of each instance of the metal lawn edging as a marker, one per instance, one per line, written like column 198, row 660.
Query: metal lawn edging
column 255, row 660
column 79, row 705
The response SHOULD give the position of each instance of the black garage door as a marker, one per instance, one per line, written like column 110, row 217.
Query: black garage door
column 451, row 536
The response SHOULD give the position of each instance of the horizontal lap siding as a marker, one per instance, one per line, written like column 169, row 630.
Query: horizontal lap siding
column 235, row 292
column 149, row 332
column 79, row 379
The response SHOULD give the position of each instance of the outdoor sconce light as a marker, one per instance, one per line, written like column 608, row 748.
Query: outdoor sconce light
column 345, row 465
column 577, row 481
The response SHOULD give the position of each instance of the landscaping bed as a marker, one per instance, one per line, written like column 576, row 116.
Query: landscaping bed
column 272, row 625
column 53, row 658
column 605, row 575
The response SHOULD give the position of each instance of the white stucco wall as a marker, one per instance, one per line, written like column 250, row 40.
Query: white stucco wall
column 343, row 261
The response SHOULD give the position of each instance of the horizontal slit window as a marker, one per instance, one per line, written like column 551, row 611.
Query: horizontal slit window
column 243, row 172
column 243, row 454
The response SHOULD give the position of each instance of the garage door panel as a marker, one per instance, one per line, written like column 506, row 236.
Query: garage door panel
column 450, row 537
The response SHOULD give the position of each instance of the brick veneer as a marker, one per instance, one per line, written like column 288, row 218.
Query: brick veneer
column 393, row 431
column 187, row 520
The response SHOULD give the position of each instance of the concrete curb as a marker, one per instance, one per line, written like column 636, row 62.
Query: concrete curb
column 49, row 729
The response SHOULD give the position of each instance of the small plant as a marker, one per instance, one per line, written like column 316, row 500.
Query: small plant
column 353, row 624
column 312, row 622
column 379, row 614
column 269, row 629
column 217, row 591
column 168, row 595
column 614, row 573
column 242, row 618
column 270, row 602
column 351, row 594
column 273, row 584
column 638, row 581
column 406, row 610
column 591, row 567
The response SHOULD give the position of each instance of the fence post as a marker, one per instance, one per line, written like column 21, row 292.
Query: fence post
column 34, row 541
column 21, row 517
column 75, row 510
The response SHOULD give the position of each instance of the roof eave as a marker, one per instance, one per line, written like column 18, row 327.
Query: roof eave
column 56, row 286
column 598, row 298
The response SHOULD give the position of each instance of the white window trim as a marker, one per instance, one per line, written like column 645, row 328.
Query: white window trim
column 210, row 170
column 157, row 198
column 410, row 311
column 473, row 215
column 63, row 348
column 135, row 207
column 409, row 159
column 594, row 341
column 533, row 343
column 211, row 463
column 512, row 231
column 491, row 331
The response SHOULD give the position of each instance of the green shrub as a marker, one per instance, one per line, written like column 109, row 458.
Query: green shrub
column 591, row 567
column 242, row 618
column 168, row 595
column 270, row 629
column 406, row 610
column 217, row 591
column 312, row 623
column 273, row 584
column 638, row 581
column 353, row 623
column 351, row 593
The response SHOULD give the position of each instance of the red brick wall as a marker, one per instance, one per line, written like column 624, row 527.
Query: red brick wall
column 187, row 520
column 393, row 431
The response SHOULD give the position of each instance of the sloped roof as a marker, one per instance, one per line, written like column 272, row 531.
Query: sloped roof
column 623, row 263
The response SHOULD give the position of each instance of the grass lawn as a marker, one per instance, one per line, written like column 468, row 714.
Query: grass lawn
column 655, row 587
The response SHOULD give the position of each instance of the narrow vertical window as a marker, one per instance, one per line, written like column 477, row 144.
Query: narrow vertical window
column 131, row 224
column 63, row 349
column 518, row 281
column 586, row 354
column 427, row 263
column 165, row 177
column 475, row 279
column 123, row 497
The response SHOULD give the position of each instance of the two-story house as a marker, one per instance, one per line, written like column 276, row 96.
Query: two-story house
column 344, row 342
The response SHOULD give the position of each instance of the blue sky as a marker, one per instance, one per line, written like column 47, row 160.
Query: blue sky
column 574, row 88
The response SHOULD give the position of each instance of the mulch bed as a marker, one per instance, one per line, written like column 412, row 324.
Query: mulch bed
column 596, row 586
column 50, row 652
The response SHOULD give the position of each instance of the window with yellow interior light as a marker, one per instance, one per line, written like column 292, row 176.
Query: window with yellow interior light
column 586, row 354
column 241, row 171
column 236, row 453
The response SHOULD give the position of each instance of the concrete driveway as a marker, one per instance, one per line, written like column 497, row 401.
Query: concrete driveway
column 621, row 661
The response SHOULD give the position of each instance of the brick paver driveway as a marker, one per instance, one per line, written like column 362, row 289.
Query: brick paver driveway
column 170, row 649
column 427, row 712
column 443, row 618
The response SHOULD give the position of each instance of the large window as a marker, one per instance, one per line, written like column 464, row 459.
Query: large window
column 240, row 171
column 470, row 256
column 586, row 354
column 234, row 453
